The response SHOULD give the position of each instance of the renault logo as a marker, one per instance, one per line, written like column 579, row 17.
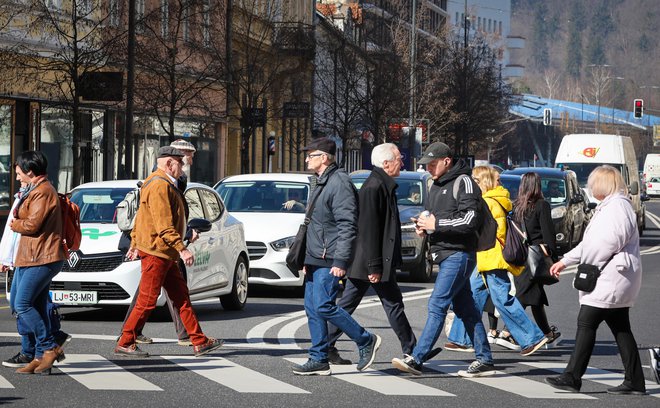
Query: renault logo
column 73, row 260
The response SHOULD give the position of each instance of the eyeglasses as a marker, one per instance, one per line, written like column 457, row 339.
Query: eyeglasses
column 309, row 156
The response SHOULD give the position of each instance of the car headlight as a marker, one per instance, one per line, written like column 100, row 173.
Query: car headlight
column 558, row 212
column 282, row 244
column 408, row 227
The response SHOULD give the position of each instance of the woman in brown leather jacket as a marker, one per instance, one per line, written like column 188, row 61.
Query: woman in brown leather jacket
column 38, row 219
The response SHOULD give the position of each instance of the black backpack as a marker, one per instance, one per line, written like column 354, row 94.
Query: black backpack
column 514, row 249
column 487, row 232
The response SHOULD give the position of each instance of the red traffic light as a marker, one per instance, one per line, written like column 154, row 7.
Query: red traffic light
column 638, row 110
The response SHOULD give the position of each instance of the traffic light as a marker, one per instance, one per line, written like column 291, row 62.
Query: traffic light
column 638, row 111
column 547, row 117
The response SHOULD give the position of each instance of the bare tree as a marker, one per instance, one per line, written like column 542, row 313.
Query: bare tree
column 178, row 70
column 54, row 48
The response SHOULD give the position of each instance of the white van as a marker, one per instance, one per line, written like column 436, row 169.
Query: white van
column 584, row 152
column 652, row 166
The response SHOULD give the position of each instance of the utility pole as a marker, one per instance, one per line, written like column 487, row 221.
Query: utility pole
column 412, row 127
column 130, row 88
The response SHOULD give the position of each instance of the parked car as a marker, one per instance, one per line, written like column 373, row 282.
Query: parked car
column 412, row 196
column 653, row 187
column 258, row 201
column 99, row 275
column 561, row 189
column 512, row 183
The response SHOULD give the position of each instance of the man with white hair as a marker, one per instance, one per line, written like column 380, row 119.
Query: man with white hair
column 378, row 251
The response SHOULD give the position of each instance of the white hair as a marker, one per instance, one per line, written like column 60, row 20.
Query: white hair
column 381, row 153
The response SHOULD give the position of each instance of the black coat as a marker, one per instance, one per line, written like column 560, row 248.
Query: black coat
column 379, row 229
column 541, row 230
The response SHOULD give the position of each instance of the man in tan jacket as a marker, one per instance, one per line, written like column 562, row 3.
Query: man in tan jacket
column 158, row 240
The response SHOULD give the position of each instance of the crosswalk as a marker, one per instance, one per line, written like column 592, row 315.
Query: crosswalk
column 95, row 372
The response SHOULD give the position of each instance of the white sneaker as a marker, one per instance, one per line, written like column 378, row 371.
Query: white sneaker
column 507, row 342
column 492, row 338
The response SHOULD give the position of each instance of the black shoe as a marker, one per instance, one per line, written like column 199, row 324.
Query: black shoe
column 210, row 345
column 477, row 369
column 623, row 389
column 312, row 367
column 335, row 358
column 130, row 351
column 407, row 364
column 368, row 353
column 18, row 361
column 562, row 383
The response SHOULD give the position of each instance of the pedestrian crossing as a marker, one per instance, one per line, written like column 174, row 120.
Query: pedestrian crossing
column 95, row 372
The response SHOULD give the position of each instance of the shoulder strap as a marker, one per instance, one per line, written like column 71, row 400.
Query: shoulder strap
column 152, row 179
column 312, row 204
column 457, row 184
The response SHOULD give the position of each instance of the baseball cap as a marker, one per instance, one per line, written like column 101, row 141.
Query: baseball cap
column 437, row 150
column 323, row 144
column 169, row 151
column 183, row 145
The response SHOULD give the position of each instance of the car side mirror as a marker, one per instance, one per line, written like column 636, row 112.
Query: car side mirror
column 200, row 225
column 634, row 188
column 592, row 206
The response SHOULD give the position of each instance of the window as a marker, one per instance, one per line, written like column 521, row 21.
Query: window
column 98, row 205
column 264, row 196
column 206, row 26
column 6, row 124
column 194, row 204
column 114, row 13
column 186, row 21
column 500, row 27
column 214, row 206
column 139, row 16
column 165, row 18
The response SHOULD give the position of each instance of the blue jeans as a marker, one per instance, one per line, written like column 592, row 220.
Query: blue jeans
column 321, row 289
column 517, row 322
column 452, row 287
column 29, row 298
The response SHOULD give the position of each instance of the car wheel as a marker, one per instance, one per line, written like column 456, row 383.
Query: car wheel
column 423, row 272
column 237, row 299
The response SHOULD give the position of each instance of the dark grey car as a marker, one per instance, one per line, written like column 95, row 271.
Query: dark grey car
column 412, row 195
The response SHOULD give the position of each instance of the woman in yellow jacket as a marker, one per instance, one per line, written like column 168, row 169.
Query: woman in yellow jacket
column 491, row 275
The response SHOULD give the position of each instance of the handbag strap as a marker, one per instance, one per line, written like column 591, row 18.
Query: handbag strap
column 608, row 261
column 308, row 213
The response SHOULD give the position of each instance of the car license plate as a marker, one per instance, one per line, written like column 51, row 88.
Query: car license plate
column 74, row 297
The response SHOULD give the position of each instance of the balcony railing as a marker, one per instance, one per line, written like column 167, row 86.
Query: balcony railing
column 294, row 38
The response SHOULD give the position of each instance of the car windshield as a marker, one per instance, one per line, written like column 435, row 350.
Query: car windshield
column 654, row 180
column 98, row 205
column 512, row 185
column 554, row 190
column 264, row 196
column 409, row 192
column 582, row 170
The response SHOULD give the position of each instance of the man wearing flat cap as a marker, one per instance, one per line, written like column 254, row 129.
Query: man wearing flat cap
column 455, row 216
column 157, row 238
column 331, row 235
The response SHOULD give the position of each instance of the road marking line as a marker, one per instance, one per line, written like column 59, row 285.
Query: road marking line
column 380, row 381
column 514, row 384
column 97, row 373
column 4, row 383
column 234, row 376
column 597, row 375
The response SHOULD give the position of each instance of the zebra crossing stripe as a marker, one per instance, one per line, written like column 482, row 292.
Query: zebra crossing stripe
column 609, row 378
column 4, row 383
column 379, row 381
column 234, row 376
column 510, row 383
column 97, row 373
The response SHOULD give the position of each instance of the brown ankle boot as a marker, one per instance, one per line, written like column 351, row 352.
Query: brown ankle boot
column 29, row 369
column 50, row 356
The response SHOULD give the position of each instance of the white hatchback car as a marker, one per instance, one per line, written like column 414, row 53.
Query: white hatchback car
column 653, row 186
column 98, row 275
column 257, row 200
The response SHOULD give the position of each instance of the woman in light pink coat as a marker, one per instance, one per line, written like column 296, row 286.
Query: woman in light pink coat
column 611, row 242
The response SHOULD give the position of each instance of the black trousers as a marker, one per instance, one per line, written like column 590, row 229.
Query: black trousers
column 392, row 301
column 618, row 321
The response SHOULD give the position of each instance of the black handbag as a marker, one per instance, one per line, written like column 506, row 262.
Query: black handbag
column 587, row 275
column 538, row 264
column 295, row 259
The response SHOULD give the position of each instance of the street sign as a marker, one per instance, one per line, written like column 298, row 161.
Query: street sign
column 258, row 117
column 296, row 109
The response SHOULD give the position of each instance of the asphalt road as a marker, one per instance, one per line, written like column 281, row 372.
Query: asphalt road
column 252, row 369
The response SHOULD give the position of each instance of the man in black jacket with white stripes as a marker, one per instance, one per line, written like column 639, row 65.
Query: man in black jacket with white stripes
column 453, row 224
